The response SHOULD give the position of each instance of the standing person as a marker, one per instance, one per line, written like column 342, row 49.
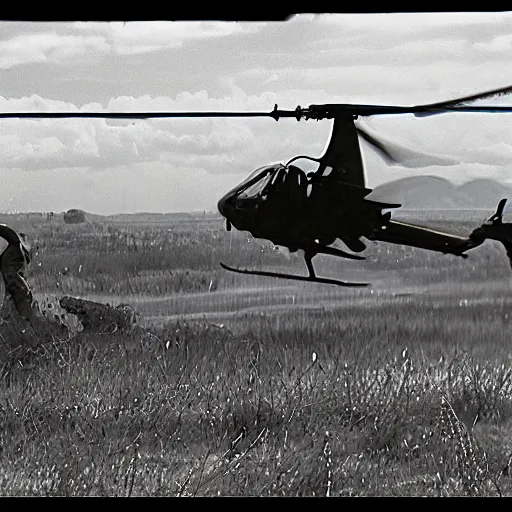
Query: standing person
column 14, row 259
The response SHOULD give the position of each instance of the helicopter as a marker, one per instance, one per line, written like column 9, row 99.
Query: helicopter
column 283, row 204
column 310, row 212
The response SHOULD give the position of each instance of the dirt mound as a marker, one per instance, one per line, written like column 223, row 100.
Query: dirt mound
column 74, row 216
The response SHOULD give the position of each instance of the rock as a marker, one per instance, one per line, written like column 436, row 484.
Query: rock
column 98, row 317
column 47, row 326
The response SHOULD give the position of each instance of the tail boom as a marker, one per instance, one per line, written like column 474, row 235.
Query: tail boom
column 403, row 233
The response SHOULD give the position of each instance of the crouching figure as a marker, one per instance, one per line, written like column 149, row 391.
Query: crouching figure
column 14, row 260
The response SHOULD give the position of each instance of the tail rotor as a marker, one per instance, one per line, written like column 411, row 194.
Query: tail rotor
column 497, row 218
column 495, row 229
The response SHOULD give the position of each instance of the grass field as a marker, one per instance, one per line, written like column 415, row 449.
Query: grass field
column 256, row 387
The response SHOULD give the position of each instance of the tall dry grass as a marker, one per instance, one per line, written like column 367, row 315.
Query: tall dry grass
column 201, row 412
column 395, row 398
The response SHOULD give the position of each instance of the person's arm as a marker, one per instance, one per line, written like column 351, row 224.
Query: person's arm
column 9, row 234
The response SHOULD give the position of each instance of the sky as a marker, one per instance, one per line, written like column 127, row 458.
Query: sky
column 176, row 165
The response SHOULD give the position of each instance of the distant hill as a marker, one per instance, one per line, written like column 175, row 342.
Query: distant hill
column 434, row 193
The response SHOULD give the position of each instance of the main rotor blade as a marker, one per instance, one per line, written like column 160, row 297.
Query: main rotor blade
column 140, row 115
column 311, row 112
column 456, row 104
column 462, row 108
column 467, row 99
column 376, row 144
column 394, row 153
column 314, row 111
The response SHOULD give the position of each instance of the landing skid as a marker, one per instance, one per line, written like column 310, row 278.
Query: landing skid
column 308, row 279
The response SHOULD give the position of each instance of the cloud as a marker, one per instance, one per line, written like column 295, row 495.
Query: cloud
column 419, row 26
column 48, row 47
column 89, row 40
column 227, row 145
column 146, row 36
column 210, row 144
column 498, row 44
column 399, row 59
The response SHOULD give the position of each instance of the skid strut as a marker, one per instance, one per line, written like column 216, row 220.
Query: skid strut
column 310, row 279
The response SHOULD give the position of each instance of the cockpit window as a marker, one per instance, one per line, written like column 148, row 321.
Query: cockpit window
column 261, row 170
column 260, row 179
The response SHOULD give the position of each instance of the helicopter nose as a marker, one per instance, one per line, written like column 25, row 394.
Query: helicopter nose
column 223, row 205
column 226, row 209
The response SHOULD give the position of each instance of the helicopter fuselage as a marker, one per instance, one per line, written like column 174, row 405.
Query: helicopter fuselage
column 281, row 204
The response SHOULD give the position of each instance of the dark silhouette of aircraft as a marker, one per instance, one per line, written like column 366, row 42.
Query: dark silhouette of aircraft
column 283, row 204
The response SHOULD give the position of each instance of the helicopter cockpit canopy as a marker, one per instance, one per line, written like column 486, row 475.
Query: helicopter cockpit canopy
column 249, row 190
column 257, row 184
column 257, row 188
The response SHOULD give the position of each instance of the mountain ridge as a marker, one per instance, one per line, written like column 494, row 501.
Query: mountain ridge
column 436, row 193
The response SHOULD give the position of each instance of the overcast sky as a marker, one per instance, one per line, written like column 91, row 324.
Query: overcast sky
column 187, row 164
